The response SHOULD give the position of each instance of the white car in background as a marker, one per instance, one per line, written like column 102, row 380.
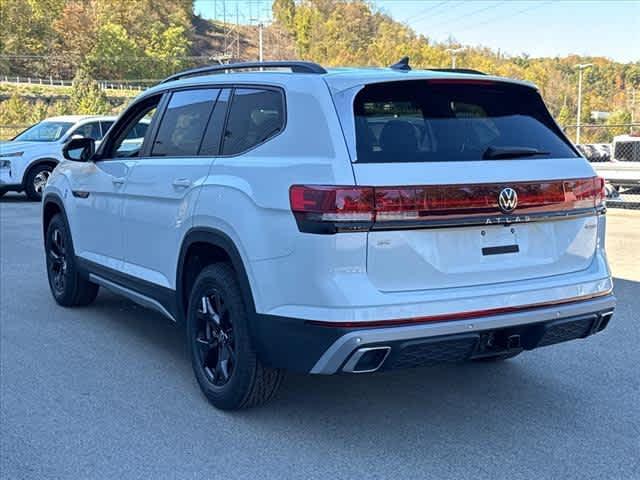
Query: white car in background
column 623, row 169
column 27, row 161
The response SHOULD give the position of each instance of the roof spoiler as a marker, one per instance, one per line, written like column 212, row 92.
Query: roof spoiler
column 457, row 70
column 402, row 65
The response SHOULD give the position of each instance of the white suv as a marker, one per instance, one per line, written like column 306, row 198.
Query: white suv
column 27, row 161
column 350, row 220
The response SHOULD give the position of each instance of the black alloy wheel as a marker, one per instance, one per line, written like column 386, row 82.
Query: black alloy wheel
column 215, row 341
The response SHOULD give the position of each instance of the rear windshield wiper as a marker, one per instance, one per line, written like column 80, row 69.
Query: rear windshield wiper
column 504, row 153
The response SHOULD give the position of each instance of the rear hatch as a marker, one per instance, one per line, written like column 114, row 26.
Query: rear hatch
column 473, row 183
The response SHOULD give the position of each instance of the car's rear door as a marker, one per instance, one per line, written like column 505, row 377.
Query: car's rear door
column 163, row 186
column 475, row 184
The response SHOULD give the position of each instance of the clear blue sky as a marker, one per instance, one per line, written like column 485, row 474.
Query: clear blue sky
column 609, row 28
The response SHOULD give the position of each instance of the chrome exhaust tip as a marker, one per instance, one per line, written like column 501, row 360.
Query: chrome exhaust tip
column 367, row 360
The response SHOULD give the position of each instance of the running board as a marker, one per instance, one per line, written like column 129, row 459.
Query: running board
column 137, row 297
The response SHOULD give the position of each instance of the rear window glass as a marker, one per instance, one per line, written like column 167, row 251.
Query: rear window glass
column 423, row 121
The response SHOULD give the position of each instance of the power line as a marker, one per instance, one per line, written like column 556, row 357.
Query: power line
column 476, row 12
column 502, row 17
column 425, row 13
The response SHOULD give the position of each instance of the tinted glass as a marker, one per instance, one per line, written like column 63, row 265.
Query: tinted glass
column 44, row 132
column 89, row 130
column 213, row 134
column 128, row 144
column 140, row 130
column 255, row 116
column 184, row 122
column 105, row 127
column 420, row 121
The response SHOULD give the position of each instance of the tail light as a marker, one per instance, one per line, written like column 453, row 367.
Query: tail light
column 332, row 209
column 322, row 209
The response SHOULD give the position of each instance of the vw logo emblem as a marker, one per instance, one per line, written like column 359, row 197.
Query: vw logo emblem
column 508, row 200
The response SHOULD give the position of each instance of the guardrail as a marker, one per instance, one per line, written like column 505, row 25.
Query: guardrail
column 138, row 84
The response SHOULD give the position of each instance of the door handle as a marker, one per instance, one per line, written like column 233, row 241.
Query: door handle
column 182, row 183
column 118, row 180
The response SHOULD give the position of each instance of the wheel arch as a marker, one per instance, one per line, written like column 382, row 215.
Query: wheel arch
column 206, row 246
column 35, row 163
column 51, row 205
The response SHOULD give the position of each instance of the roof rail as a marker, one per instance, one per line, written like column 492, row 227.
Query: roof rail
column 457, row 70
column 295, row 66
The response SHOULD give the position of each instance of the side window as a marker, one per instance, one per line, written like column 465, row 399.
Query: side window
column 89, row 130
column 184, row 122
column 123, row 141
column 256, row 115
column 140, row 130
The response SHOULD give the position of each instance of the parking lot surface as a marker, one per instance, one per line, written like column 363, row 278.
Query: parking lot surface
column 107, row 391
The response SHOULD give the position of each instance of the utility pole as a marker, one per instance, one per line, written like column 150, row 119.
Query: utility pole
column 632, row 108
column 454, row 52
column 260, row 28
column 237, row 33
column 580, row 68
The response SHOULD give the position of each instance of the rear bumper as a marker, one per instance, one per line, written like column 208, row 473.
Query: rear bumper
column 296, row 345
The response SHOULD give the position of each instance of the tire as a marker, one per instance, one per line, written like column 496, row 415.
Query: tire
column 223, row 359
column 36, row 180
column 497, row 358
column 68, row 287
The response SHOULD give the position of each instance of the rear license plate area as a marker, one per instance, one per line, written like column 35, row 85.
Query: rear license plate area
column 499, row 241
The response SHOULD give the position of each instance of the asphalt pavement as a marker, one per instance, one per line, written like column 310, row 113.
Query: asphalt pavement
column 107, row 391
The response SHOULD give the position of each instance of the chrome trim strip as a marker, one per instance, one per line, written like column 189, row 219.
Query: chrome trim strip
column 355, row 358
column 137, row 297
column 336, row 354
column 483, row 220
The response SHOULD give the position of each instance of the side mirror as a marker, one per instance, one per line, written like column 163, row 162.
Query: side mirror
column 79, row 149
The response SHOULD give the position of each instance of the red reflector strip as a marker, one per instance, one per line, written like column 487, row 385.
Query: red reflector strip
column 453, row 316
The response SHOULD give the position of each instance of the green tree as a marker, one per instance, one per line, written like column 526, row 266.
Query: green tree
column 166, row 50
column 114, row 54
column 619, row 117
column 284, row 13
column 565, row 117
column 86, row 96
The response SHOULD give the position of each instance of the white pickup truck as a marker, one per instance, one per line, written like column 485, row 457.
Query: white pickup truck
column 623, row 169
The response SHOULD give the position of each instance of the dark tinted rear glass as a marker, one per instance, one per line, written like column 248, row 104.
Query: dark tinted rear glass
column 256, row 115
column 423, row 121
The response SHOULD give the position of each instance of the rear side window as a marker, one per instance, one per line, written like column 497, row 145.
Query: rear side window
column 184, row 122
column 440, row 121
column 256, row 115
